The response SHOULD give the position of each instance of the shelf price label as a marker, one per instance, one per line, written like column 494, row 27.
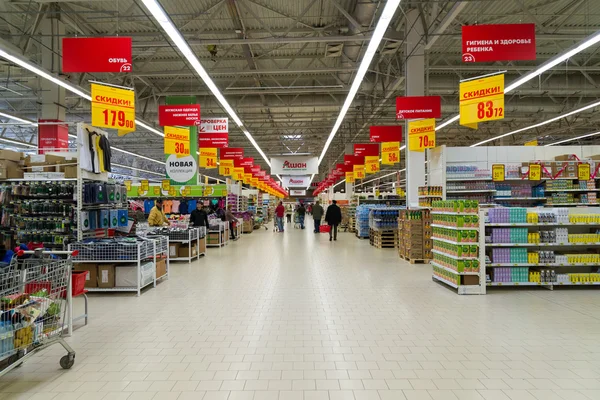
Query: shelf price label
column 177, row 141
column 226, row 167
column 390, row 153
column 156, row 190
column 113, row 108
column 583, row 172
column 498, row 172
column 127, row 185
column 421, row 134
column 359, row 171
column 165, row 185
column 481, row 100
column 208, row 158
column 144, row 185
column 371, row 164
column 535, row 172
column 172, row 191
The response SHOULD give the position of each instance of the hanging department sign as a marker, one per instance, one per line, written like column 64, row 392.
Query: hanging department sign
column 505, row 42
column 113, row 108
column 213, row 140
column 181, row 169
column 297, row 192
column 101, row 54
column 214, row 125
column 179, row 115
column 296, row 181
column 414, row 107
column 421, row 134
column 177, row 141
column 294, row 165
column 481, row 100
column 391, row 133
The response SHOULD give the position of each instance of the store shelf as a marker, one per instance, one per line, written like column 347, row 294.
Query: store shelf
column 429, row 196
column 540, row 244
column 438, row 278
column 489, row 178
column 452, row 270
column 474, row 228
column 119, row 289
column 540, row 224
column 575, row 283
column 494, row 265
column 470, row 191
column 518, row 284
column 453, row 256
column 520, row 198
column 462, row 289
column 453, row 213
column 571, row 204
column 571, row 190
column 454, row 242
column 183, row 258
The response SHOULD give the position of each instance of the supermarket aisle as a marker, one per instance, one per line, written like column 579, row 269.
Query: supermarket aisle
column 294, row 316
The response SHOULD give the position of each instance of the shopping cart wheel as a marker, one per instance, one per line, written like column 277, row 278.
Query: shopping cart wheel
column 66, row 362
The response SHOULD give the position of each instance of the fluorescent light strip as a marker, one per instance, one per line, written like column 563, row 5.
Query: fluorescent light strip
column 310, row 182
column 342, row 181
column 165, row 22
column 16, row 142
column 18, row 119
column 570, row 140
column 382, row 25
column 596, row 104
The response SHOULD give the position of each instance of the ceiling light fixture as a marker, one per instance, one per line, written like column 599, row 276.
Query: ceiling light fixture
column 342, row 181
column 165, row 22
column 571, row 139
column 382, row 25
column 18, row 119
column 16, row 142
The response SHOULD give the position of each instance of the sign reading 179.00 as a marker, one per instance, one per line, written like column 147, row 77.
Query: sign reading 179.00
column 481, row 100
column 113, row 108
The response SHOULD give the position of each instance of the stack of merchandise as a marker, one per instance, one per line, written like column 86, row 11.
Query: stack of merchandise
column 247, row 221
column 104, row 206
column 415, row 235
column 383, row 227
column 466, row 172
column 352, row 214
column 362, row 220
column 243, row 203
column 233, row 201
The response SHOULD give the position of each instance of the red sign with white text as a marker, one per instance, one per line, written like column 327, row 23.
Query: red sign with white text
column 102, row 54
column 179, row 115
column 505, row 42
column 351, row 159
column 415, row 107
column 392, row 133
column 52, row 137
column 213, row 140
column 232, row 153
column 366, row 149
column 247, row 162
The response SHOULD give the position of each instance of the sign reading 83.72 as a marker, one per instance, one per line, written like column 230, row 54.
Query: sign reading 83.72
column 113, row 108
column 481, row 100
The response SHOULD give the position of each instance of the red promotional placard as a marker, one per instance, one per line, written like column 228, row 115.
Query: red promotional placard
column 351, row 159
column 255, row 170
column 504, row 42
column 232, row 153
column 247, row 162
column 179, row 115
column 414, row 107
column 52, row 137
column 213, row 140
column 392, row 133
column 366, row 149
column 101, row 54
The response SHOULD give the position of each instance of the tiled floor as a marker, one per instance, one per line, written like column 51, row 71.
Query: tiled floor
column 294, row 316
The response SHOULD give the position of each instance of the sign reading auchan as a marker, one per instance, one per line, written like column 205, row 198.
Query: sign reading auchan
column 294, row 165
column 296, row 181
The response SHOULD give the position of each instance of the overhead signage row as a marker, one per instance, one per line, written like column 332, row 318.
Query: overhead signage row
column 96, row 54
column 504, row 42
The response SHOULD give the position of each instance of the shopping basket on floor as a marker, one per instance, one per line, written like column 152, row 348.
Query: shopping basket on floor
column 35, row 293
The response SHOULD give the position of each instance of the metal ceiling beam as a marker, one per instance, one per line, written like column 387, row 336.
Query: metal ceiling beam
column 448, row 19
column 260, row 41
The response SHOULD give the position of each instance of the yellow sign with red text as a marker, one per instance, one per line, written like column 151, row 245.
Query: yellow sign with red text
column 165, row 185
column 113, row 108
column 359, row 171
column 226, row 167
column 371, row 164
column 238, row 174
column 208, row 158
column 177, row 141
column 390, row 153
column 421, row 134
column 481, row 100
column 350, row 177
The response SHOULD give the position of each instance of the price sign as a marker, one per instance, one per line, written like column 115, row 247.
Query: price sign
column 172, row 192
column 208, row 158
column 390, row 153
column 166, row 185
column 128, row 185
column 238, row 174
column 535, row 172
column 421, row 134
column 377, row 192
column 177, row 141
column 531, row 143
column 359, row 171
column 498, row 172
column 144, row 185
column 156, row 190
column 583, row 172
column 113, row 108
column 209, row 190
column 226, row 167
column 371, row 164
column 350, row 177
column 481, row 100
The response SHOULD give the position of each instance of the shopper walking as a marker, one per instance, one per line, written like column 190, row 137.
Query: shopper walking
column 156, row 217
column 288, row 213
column 301, row 214
column 333, row 216
column 317, row 213
column 229, row 217
column 199, row 217
column 279, row 214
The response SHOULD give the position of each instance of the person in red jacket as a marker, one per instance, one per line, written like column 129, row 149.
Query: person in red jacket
column 279, row 214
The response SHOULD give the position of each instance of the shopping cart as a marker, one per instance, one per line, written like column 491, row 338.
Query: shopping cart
column 35, row 295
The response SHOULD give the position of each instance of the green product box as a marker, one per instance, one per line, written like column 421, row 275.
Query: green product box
column 473, row 251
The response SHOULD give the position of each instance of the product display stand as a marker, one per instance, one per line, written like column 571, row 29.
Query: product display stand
column 218, row 237
column 161, row 250
column 189, row 238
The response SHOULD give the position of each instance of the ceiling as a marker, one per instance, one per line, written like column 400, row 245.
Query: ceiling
column 286, row 67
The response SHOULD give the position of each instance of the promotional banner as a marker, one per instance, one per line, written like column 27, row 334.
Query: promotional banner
column 214, row 125
column 366, row 149
column 371, row 164
column 390, row 153
column 232, row 152
column 481, row 100
column 505, row 42
column 102, row 54
column 113, row 108
column 208, row 158
column 350, row 177
column 226, row 167
column 191, row 145
column 392, row 133
column 421, row 134
column 181, row 169
column 213, row 140
column 247, row 162
column 179, row 115
column 351, row 159
column 177, row 141
column 359, row 171
column 415, row 107
column 294, row 165
column 297, row 192
column 296, row 181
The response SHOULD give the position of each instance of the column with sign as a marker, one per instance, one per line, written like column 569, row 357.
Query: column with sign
column 184, row 170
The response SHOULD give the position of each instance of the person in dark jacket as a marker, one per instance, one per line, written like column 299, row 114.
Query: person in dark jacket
column 317, row 213
column 301, row 214
column 333, row 216
column 199, row 217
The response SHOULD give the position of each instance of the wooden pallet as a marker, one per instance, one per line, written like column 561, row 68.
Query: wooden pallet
column 415, row 260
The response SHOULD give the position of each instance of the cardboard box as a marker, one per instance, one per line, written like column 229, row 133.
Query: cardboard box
column 161, row 267
column 127, row 275
column 10, row 170
column 184, row 251
column 174, row 249
column 11, row 155
column 564, row 157
column 470, row 280
column 43, row 159
column 202, row 248
column 106, row 275
column 70, row 172
column 91, row 278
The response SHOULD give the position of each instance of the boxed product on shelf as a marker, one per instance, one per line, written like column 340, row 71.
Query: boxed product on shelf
column 91, row 277
column 174, row 249
column 185, row 250
column 161, row 267
column 106, row 276
column 415, row 234
column 126, row 275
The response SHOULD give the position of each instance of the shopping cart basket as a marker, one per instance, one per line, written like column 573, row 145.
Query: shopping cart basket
column 35, row 294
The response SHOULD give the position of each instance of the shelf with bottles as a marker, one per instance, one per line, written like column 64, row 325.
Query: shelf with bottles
column 458, row 173
column 455, row 207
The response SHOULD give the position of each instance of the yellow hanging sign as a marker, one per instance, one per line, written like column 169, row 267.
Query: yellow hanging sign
column 177, row 141
column 247, row 178
column 350, row 177
column 238, row 174
column 498, row 172
column 226, row 167
column 531, row 143
column 481, row 100
column 172, row 192
column 359, row 171
column 144, row 185
column 535, row 172
column 156, row 190
column 583, row 172
column 390, row 153
column 113, row 108
column 128, row 185
column 208, row 158
column 371, row 164
column 166, row 185
column 421, row 134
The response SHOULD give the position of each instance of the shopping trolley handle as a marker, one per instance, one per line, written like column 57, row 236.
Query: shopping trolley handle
column 38, row 252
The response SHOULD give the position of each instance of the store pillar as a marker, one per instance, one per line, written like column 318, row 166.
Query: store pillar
column 415, row 86
column 195, row 180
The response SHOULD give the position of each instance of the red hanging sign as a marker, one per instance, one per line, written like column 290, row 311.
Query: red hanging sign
column 103, row 54
column 392, row 133
column 247, row 162
column 232, row 153
column 415, row 107
column 504, row 42
column 52, row 137
column 179, row 115
column 366, row 149
column 213, row 140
